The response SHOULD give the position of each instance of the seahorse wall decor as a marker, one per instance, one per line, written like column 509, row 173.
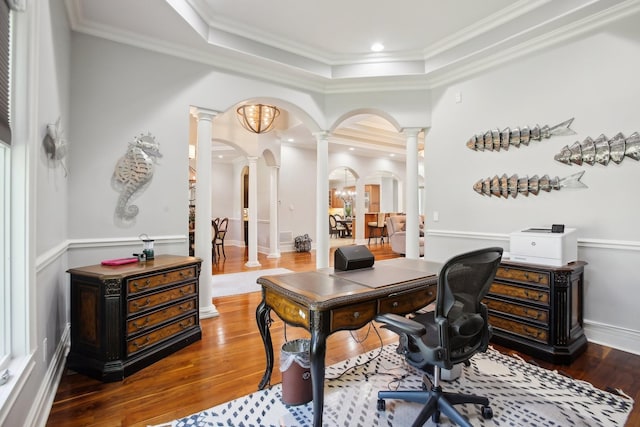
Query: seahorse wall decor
column 133, row 173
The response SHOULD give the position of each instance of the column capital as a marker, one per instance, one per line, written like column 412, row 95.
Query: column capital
column 252, row 159
column 203, row 113
column 411, row 132
column 321, row 135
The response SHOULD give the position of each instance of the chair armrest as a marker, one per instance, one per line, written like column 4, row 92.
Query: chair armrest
column 401, row 323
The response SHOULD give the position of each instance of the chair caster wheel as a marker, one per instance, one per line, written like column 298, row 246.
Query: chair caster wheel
column 382, row 405
column 487, row 412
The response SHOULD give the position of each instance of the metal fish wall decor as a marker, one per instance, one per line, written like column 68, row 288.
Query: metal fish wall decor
column 601, row 150
column 494, row 140
column 512, row 186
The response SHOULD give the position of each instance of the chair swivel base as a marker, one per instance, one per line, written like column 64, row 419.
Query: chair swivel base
column 436, row 401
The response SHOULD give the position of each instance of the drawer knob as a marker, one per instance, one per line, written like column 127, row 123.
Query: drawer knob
column 356, row 314
column 395, row 304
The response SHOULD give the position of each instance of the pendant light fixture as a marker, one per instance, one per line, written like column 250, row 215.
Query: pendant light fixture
column 257, row 118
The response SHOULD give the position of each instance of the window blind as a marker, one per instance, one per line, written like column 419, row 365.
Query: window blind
column 5, row 67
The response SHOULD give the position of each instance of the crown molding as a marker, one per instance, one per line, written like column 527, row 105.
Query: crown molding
column 429, row 72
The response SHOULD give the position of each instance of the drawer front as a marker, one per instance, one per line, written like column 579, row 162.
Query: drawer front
column 518, row 328
column 149, row 340
column 408, row 302
column 526, row 276
column 289, row 311
column 148, row 302
column 531, row 313
column 353, row 316
column 141, row 284
column 534, row 295
column 145, row 323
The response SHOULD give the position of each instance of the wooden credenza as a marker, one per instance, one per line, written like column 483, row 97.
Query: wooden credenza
column 127, row 317
column 537, row 309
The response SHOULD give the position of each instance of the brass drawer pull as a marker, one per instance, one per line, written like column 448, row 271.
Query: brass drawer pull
column 147, row 302
column 143, row 325
column 533, row 314
column 146, row 285
column 185, row 325
column 184, row 307
column 140, row 346
column 532, row 333
column 534, row 295
column 537, row 278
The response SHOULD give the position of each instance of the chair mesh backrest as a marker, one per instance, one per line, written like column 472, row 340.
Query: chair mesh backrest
column 462, row 284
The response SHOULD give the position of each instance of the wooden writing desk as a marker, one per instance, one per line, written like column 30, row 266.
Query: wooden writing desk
column 324, row 302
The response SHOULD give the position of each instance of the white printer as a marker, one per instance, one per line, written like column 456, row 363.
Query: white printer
column 542, row 246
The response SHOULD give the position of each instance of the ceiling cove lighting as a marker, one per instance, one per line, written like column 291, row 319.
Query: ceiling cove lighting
column 257, row 118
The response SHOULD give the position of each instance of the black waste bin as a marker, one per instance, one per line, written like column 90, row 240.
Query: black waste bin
column 295, row 365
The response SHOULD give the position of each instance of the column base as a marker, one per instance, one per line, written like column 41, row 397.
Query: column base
column 207, row 312
column 274, row 255
column 252, row 264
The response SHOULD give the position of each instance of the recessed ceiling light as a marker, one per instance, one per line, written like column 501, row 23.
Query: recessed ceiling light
column 392, row 154
column 220, row 156
column 351, row 148
column 377, row 47
column 290, row 140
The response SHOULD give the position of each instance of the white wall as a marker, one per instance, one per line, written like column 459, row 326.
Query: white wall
column 593, row 79
column 47, row 309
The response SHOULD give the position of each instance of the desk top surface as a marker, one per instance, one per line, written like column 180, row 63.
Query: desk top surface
column 326, row 288
column 159, row 262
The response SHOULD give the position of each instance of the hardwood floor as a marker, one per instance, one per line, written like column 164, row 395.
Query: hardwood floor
column 229, row 362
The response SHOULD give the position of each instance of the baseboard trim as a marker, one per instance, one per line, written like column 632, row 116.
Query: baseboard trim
column 43, row 402
column 612, row 336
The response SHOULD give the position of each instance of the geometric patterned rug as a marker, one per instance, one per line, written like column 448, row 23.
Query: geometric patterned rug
column 520, row 394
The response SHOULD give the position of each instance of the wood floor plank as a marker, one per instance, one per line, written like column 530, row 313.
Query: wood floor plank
column 229, row 362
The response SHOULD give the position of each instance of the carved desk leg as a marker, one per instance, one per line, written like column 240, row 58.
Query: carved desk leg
column 317, row 353
column 262, row 318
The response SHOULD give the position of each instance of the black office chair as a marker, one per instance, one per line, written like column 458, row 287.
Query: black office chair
column 452, row 334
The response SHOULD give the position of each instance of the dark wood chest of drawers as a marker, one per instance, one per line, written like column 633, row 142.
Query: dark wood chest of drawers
column 537, row 309
column 125, row 318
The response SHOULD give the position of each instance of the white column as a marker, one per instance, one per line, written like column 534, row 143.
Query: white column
column 360, row 225
column 322, row 204
column 411, row 200
column 253, row 213
column 274, row 228
column 203, row 235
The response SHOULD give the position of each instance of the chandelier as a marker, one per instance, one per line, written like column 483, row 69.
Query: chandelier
column 347, row 196
column 258, row 118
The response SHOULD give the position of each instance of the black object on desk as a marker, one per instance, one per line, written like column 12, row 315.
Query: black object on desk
column 352, row 258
